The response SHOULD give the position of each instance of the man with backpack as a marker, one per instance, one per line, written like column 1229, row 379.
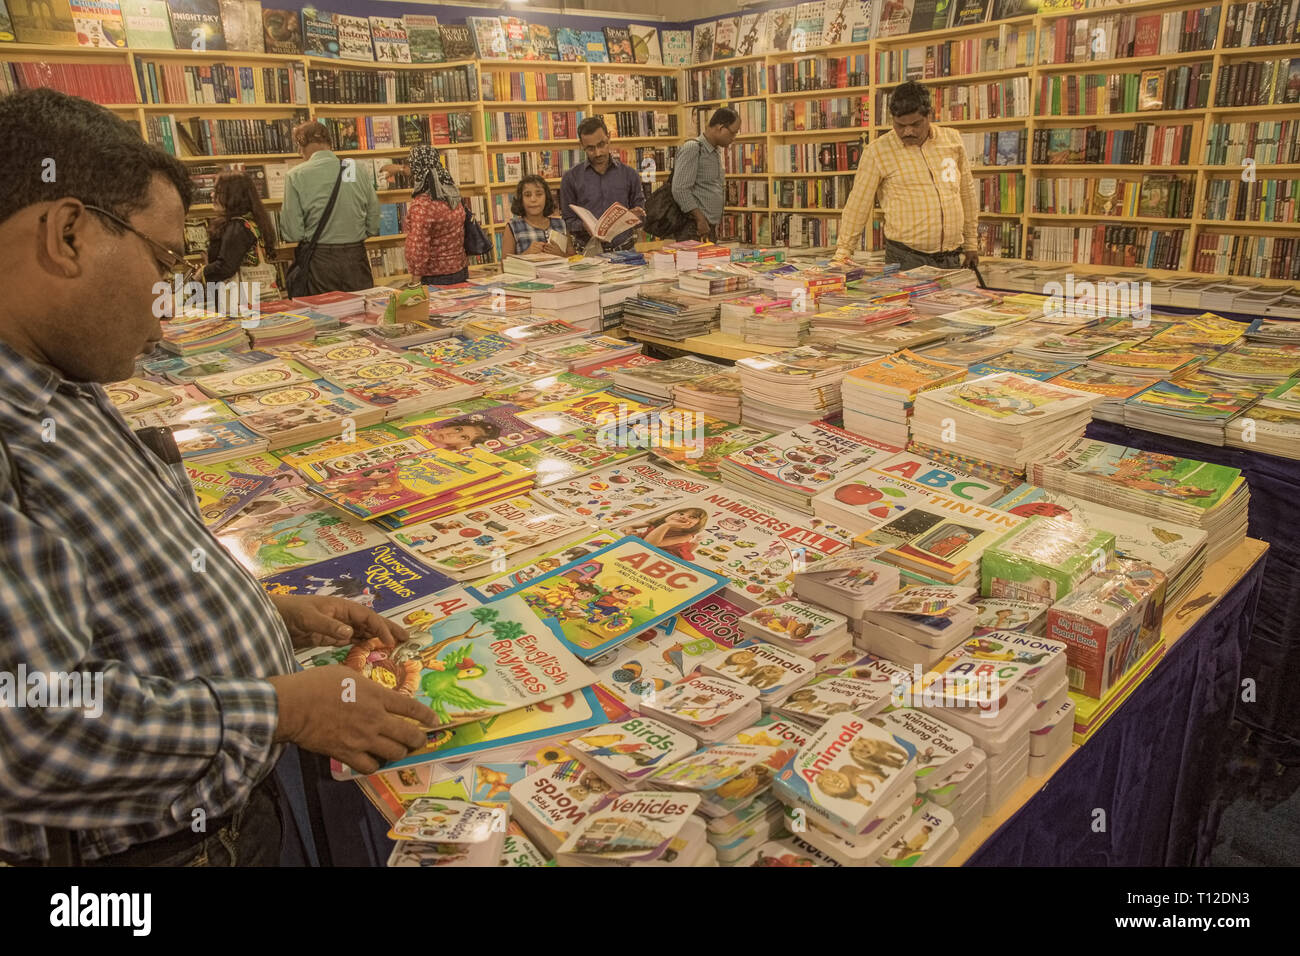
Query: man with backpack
column 698, row 183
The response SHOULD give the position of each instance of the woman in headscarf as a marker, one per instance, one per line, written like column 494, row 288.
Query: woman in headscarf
column 435, row 222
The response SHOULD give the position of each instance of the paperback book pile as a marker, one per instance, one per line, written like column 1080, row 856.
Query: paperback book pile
column 659, row 310
column 338, row 305
column 1044, row 560
column 793, row 467
column 1074, row 347
column 772, row 671
column 878, row 396
column 1003, row 419
column 832, row 322
column 800, row 385
column 707, row 283
column 658, row 381
column 953, row 300
column 447, row 833
column 1108, row 624
column 1150, row 360
column 1115, row 388
column 733, row 313
column 456, row 353
column 217, row 441
column 849, row 581
column 777, row 327
column 580, row 354
column 191, row 336
column 718, row 395
column 893, row 338
column 281, row 328
column 798, row 627
column 1214, row 498
column 854, row 783
column 323, row 358
column 942, row 539
column 1041, row 369
column 311, row 420
column 1256, row 363
column 1272, row 425
column 542, row 332
column 918, row 625
column 406, row 334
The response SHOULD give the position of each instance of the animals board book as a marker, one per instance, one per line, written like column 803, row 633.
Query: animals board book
column 771, row 670
column 939, row 748
column 552, row 800
column 221, row 494
column 466, row 545
column 846, row 772
column 637, row 827
column 830, row 694
column 627, row 752
column 619, row 493
column 490, row 587
column 708, row 707
column 382, row 578
column 556, row 458
column 756, row 545
column 477, row 663
column 597, row 602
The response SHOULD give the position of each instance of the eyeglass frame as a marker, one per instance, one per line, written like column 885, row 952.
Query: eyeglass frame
column 178, row 259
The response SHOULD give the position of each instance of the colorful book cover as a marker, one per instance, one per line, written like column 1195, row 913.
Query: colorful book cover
column 724, row 37
column 49, row 24
column 654, row 660
column 676, row 46
column 196, row 24
column 1010, row 398
column 423, row 37
column 381, row 578
column 811, row 457
column 282, row 537
column 569, row 44
column 512, row 578
column 325, row 465
column 519, row 44
column 1036, row 368
column 782, row 28
column 489, row 38
column 637, row 827
column 945, row 536
column 470, row 544
column 593, row 46
column 616, row 495
column 457, row 42
column 702, row 453
column 494, row 429
column 99, row 23
column 391, row 43
column 220, row 439
column 476, row 664
column 563, row 457
column 320, row 34
column 809, row 24
column 632, row 749
column 645, row 44
column 904, row 372
column 769, row 669
column 404, row 483
column 597, row 602
column 354, row 38
column 222, row 495
column 702, row 43
column 616, row 416
column 447, row 821
column 147, row 25
column 543, row 391
column 544, row 45
column 756, row 546
column 618, row 43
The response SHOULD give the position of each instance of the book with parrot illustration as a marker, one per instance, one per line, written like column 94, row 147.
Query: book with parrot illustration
column 383, row 578
column 597, row 602
column 476, row 664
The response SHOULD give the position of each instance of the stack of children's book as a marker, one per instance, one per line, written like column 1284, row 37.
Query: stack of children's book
column 878, row 396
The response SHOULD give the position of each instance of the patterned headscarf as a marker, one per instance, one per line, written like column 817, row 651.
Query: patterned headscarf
column 429, row 175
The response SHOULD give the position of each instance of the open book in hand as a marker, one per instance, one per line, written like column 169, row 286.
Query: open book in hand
column 617, row 220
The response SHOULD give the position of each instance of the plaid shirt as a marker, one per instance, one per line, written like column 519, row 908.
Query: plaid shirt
column 99, row 573
column 927, row 194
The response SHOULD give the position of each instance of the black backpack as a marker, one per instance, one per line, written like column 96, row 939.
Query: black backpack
column 664, row 219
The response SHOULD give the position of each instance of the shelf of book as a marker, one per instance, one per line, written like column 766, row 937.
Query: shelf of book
column 1122, row 63
column 966, row 78
column 824, row 91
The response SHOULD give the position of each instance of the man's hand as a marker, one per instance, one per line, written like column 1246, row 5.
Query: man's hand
column 701, row 224
column 842, row 257
column 639, row 213
column 333, row 621
column 335, row 711
column 970, row 260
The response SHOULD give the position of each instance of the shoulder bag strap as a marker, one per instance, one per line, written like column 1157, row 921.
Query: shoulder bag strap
column 329, row 206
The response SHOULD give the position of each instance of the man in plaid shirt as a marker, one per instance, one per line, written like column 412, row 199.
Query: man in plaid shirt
column 107, row 571
column 926, row 189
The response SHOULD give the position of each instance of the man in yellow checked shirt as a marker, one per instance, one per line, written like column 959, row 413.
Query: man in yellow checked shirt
column 926, row 190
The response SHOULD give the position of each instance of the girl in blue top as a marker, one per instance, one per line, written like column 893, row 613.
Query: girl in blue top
column 535, row 227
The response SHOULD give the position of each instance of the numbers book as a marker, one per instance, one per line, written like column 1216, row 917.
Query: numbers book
column 469, row 544
column 599, row 601
column 382, row 578
column 756, row 546
column 617, row 494
column 476, row 664
column 626, row 752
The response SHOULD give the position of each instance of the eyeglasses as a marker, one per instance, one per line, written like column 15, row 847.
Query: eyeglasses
column 170, row 262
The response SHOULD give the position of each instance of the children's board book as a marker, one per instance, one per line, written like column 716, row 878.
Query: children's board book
column 701, row 701
column 476, row 664
column 596, row 603
column 447, row 821
column 549, row 802
column 631, row 750
column 653, row 660
column 621, row 493
column 637, row 827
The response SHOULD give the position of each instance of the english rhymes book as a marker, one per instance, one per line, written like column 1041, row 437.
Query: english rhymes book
column 615, row 495
column 466, row 545
column 196, row 24
column 475, row 664
column 598, row 602
column 381, row 578
column 354, row 38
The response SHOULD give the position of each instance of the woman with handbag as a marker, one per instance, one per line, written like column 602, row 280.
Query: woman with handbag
column 241, row 244
column 329, row 210
column 435, row 221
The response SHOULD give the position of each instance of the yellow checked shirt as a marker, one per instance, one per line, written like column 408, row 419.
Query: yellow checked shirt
column 927, row 194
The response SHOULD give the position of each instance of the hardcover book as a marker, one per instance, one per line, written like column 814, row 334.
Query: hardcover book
column 618, row 43
column 354, row 38
column 423, row 37
column 281, row 31
column 645, row 45
column 148, row 27
column 320, row 35
column 390, row 40
column 457, row 41
column 99, row 23
column 242, row 22
column 489, row 37
column 196, row 24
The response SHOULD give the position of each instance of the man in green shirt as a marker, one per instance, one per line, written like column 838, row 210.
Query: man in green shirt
column 339, row 261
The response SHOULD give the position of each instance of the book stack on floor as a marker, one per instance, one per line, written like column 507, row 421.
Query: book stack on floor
column 800, row 385
column 1214, row 498
column 878, row 396
column 1002, row 419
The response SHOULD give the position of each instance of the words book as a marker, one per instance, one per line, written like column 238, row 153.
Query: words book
column 552, row 800
column 599, row 601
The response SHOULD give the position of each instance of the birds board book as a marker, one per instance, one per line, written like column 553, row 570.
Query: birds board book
column 618, row 494
column 637, row 827
column 708, row 707
column 627, row 752
column 468, row 545
column 383, row 578
column 479, row 663
column 756, row 545
column 846, row 771
column 597, row 602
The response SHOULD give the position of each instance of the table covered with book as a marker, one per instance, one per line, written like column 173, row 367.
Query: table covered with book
column 834, row 605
